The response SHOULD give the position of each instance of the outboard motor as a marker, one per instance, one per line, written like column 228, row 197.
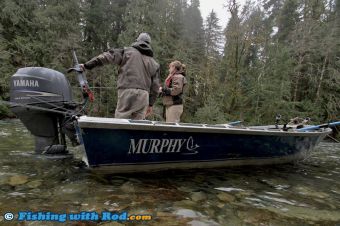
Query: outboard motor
column 45, row 106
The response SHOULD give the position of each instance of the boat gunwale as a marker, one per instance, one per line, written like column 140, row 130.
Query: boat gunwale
column 145, row 125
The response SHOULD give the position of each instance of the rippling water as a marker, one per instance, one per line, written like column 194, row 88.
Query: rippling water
column 306, row 193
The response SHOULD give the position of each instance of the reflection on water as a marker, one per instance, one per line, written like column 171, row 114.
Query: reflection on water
column 307, row 193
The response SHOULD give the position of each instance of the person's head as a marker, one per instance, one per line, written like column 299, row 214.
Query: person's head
column 175, row 67
column 144, row 37
column 184, row 69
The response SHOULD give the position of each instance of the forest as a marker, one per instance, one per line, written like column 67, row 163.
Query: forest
column 273, row 57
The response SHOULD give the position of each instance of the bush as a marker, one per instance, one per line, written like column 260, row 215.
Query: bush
column 4, row 111
column 210, row 113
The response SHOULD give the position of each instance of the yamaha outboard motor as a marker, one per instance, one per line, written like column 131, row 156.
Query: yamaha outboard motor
column 45, row 106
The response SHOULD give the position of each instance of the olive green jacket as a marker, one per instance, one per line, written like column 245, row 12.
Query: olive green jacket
column 137, row 68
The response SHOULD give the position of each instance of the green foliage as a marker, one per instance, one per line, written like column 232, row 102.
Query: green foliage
column 4, row 111
column 287, row 20
column 210, row 113
column 279, row 57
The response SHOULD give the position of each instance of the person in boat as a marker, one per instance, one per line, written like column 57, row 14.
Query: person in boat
column 138, row 77
column 172, row 91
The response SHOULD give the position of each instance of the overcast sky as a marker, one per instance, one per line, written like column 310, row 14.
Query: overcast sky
column 218, row 6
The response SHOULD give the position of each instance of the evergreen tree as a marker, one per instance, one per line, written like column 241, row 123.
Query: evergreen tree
column 213, row 36
column 287, row 19
column 194, row 31
column 213, row 41
column 232, row 58
column 280, row 57
column 193, row 54
column 102, row 25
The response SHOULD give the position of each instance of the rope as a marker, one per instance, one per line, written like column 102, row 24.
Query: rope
column 13, row 104
column 332, row 138
column 48, row 103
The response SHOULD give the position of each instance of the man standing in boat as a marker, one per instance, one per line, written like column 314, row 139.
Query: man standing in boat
column 138, row 77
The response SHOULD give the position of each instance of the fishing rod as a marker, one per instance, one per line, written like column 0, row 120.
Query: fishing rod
column 325, row 125
column 234, row 123
column 86, row 91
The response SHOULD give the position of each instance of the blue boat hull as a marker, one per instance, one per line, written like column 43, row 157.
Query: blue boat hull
column 135, row 147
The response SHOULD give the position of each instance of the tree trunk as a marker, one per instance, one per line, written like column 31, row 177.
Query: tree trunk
column 297, row 80
column 321, row 77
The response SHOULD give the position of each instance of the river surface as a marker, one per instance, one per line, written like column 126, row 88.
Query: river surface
column 304, row 193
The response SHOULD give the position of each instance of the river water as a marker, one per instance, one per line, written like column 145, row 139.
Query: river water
column 304, row 193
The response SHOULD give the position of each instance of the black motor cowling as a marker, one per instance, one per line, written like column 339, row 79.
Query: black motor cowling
column 45, row 104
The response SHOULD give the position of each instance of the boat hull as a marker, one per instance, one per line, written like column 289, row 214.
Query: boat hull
column 125, row 146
